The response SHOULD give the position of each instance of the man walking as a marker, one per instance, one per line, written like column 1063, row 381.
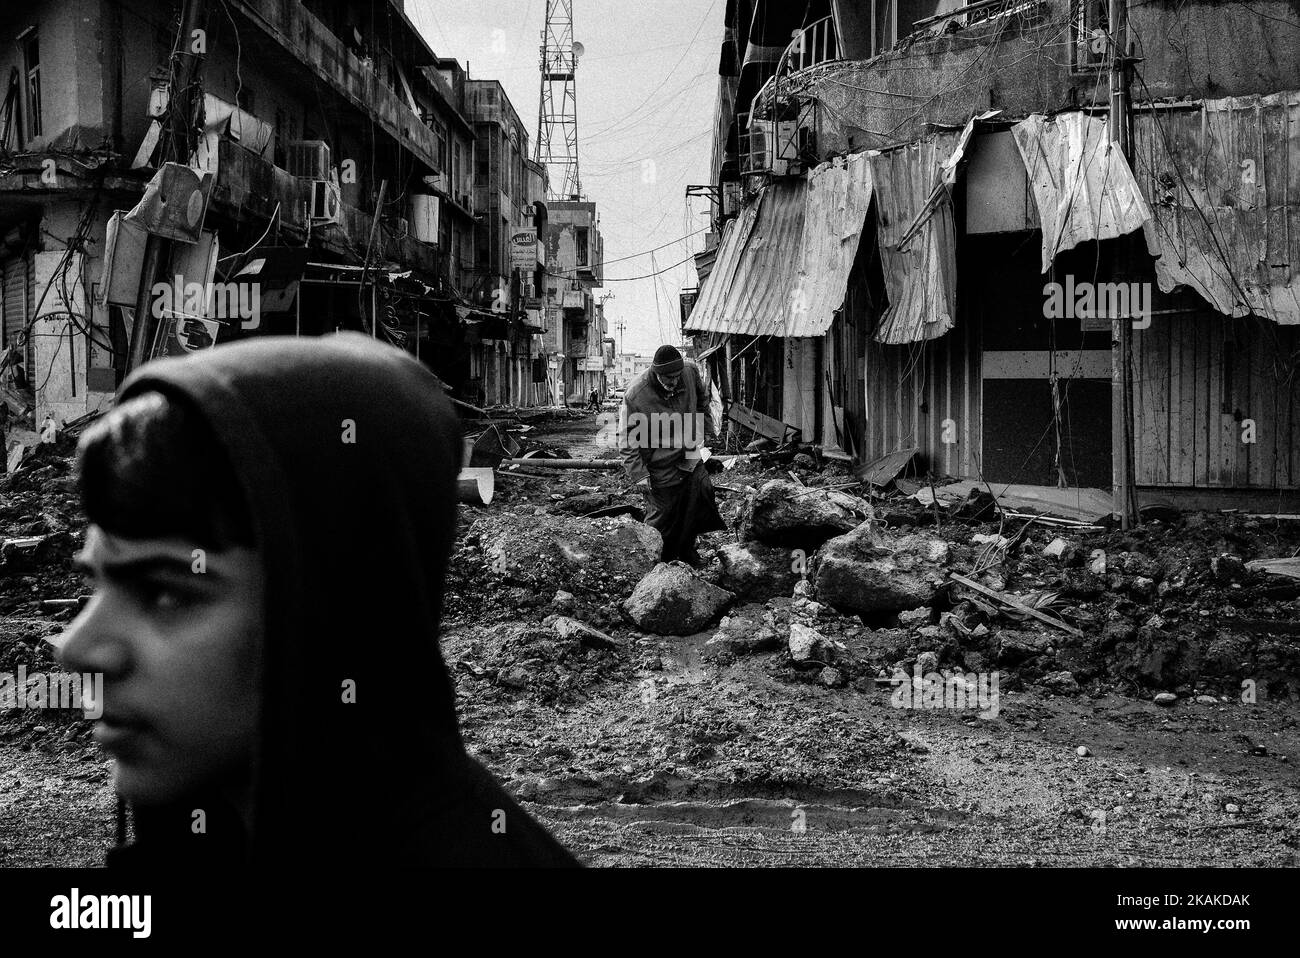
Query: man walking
column 664, row 429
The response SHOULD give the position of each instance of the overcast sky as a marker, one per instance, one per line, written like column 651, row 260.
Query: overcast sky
column 646, row 89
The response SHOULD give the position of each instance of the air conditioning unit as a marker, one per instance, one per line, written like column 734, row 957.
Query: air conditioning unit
column 326, row 202
column 309, row 159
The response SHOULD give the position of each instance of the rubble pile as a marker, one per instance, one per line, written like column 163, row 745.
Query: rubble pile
column 558, row 662
column 41, row 528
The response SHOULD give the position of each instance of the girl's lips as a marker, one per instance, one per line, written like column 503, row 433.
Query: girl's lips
column 115, row 734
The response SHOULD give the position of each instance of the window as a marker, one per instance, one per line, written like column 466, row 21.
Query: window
column 32, row 76
column 582, row 246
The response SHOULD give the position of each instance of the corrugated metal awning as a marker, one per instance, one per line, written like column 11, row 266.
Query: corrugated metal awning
column 838, row 200
column 1081, row 182
column 750, row 289
column 1221, row 180
column 918, row 247
column 783, row 265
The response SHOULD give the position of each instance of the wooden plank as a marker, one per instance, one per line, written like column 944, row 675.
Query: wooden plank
column 763, row 425
column 1015, row 604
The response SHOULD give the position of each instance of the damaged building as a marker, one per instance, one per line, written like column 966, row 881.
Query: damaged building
column 944, row 232
column 317, row 151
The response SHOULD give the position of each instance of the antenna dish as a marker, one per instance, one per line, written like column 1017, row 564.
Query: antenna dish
column 578, row 50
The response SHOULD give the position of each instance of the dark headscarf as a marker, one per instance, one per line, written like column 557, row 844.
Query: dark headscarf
column 347, row 453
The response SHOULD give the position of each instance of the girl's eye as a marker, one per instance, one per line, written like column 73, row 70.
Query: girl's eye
column 159, row 597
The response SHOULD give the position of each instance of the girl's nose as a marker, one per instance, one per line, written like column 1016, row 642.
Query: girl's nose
column 94, row 641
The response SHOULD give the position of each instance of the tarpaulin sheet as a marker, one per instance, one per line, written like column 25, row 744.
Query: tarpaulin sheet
column 1223, row 182
column 1082, row 184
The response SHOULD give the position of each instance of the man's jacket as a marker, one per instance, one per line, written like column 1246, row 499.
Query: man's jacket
column 658, row 430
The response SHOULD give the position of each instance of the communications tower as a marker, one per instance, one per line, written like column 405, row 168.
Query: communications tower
column 557, row 113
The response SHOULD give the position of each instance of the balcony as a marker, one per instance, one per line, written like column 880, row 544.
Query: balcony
column 247, row 184
column 311, row 43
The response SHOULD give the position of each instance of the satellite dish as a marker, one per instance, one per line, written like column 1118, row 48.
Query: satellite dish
column 578, row 50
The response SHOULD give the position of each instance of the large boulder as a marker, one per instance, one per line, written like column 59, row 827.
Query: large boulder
column 786, row 514
column 869, row 571
column 673, row 600
column 756, row 571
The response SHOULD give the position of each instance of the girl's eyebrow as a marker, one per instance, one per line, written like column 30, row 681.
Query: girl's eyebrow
column 144, row 566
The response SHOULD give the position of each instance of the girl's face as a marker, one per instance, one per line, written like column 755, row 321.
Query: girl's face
column 176, row 633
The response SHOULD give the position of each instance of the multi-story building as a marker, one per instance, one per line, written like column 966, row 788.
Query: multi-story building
column 1033, row 246
column 324, row 133
column 575, row 331
column 509, row 190
column 628, row 366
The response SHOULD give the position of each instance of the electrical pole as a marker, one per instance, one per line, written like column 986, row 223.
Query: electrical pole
column 1120, row 134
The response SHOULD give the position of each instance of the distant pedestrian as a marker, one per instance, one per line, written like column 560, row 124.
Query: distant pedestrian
column 664, row 431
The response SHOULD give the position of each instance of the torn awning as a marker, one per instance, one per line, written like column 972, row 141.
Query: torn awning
column 838, row 200
column 783, row 265
column 918, row 250
column 1082, row 184
column 749, row 291
column 1220, row 177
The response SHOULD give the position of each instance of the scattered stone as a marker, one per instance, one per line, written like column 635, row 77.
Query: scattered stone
column 1231, row 809
column 807, row 646
column 564, row 601
column 927, row 662
column 1062, row 683
column 1142, row 588
column 1206, row 700
column 567, row 628
column 1165, row 698
column 831, row 678
column 748, row 630
column 673, row 600
column 1097, row 562
column 868, row 570
column 1017, row 647
column 1228, row 568
column 755, row 571
column 1083, row 751
column 789, row 515
column 911, row 617
column 514, row 677
column 1055, row 549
